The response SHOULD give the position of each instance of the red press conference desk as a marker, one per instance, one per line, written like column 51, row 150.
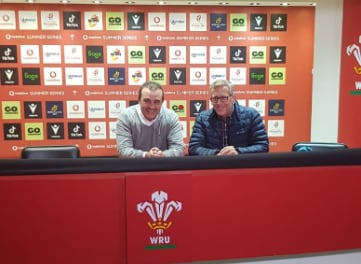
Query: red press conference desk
column 179, row 210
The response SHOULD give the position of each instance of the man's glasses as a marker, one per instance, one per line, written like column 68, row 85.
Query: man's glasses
column 222, row 99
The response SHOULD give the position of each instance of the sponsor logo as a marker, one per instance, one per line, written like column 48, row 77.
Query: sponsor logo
column 276, row 107
column 93, row 20
column 218, row 22
column 258, row 54
column 157, row 55
column 179, row 107
column 97, row 130
column 135, row 21
column 72, row 20
column 54, row 109
column 31, row 76
column 258, row 22
column 94, row 54
column 279, row 22
column 9, row 76
column 12, row 131
column 158, row 75
column 34, row 131
column 257, row 75
column 136, row 54
column 238, row 54
column 32, row 110
column 197, row 106
column 55, row 130
column 177, row 76
column 238, row 22
column 277, row 76
column 8, row 54
column 115, row 21
column 278, row 54
column 116, row 76
column 11, row 109
column 160, row 211
column 76, row 130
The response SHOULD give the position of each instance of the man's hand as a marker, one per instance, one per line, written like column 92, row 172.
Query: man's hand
column 154, row 153
column 227, row 151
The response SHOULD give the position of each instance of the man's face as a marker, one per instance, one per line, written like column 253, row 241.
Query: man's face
column 222, row 101
column 150, row 103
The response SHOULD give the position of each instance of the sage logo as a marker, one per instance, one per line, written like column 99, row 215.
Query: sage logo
column 12, row 131
column 8, row 54
column 116, row 76
column 279, row 22
column 258, row 22
column 158, row 75
column 238, row 22
column 54, row 109
column 11, row 109
column 258, row 54
column 197, row 106
column 157, row 55
column 238, row 54
column 276, row 107
column 136, row 54
column 218, row 22
column 278, row 54
column 31, row 76
column 257, row 75
column 135, row 21
column 76, row 130
column 9, row 76
column 55, row 130
column 32, row 110
column 94, row 54
column 160, row 211
column 277, row 76
column 72, row 20
column 177, row 76
column 34, row 131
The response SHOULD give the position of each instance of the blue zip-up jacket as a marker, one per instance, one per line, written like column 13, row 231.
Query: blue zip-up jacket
column 246, row 132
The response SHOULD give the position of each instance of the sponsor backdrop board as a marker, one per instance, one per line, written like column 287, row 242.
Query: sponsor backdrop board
column 350, row 86
column 67, row 71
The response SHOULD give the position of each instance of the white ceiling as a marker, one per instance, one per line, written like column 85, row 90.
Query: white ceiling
column 175, row 2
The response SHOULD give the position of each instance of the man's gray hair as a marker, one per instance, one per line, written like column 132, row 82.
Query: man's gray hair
column 218, row 83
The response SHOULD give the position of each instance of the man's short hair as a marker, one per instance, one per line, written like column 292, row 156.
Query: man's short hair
column 151, row 86
column 218, row 83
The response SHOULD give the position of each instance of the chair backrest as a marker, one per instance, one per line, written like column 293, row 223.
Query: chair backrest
column 50, row 152
column 318, row 146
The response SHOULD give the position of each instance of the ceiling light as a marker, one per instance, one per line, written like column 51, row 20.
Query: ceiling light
column 161, row 2
column 97, row 2
column 223, row 3
column 254, row 4
column 285, row 4
column 192, row 3
column 64, row 1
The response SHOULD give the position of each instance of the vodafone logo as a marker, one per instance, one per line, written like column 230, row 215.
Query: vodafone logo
column 52, row 74
column 75, row 108
column 5, row 18
column 156, row 20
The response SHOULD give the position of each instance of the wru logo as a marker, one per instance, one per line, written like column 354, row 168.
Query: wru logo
column 159, row 211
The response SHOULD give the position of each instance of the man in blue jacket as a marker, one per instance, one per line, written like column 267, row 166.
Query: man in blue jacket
column 228, row 128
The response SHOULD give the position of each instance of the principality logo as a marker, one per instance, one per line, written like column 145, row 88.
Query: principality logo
column 159, row 209
column 355, row 51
